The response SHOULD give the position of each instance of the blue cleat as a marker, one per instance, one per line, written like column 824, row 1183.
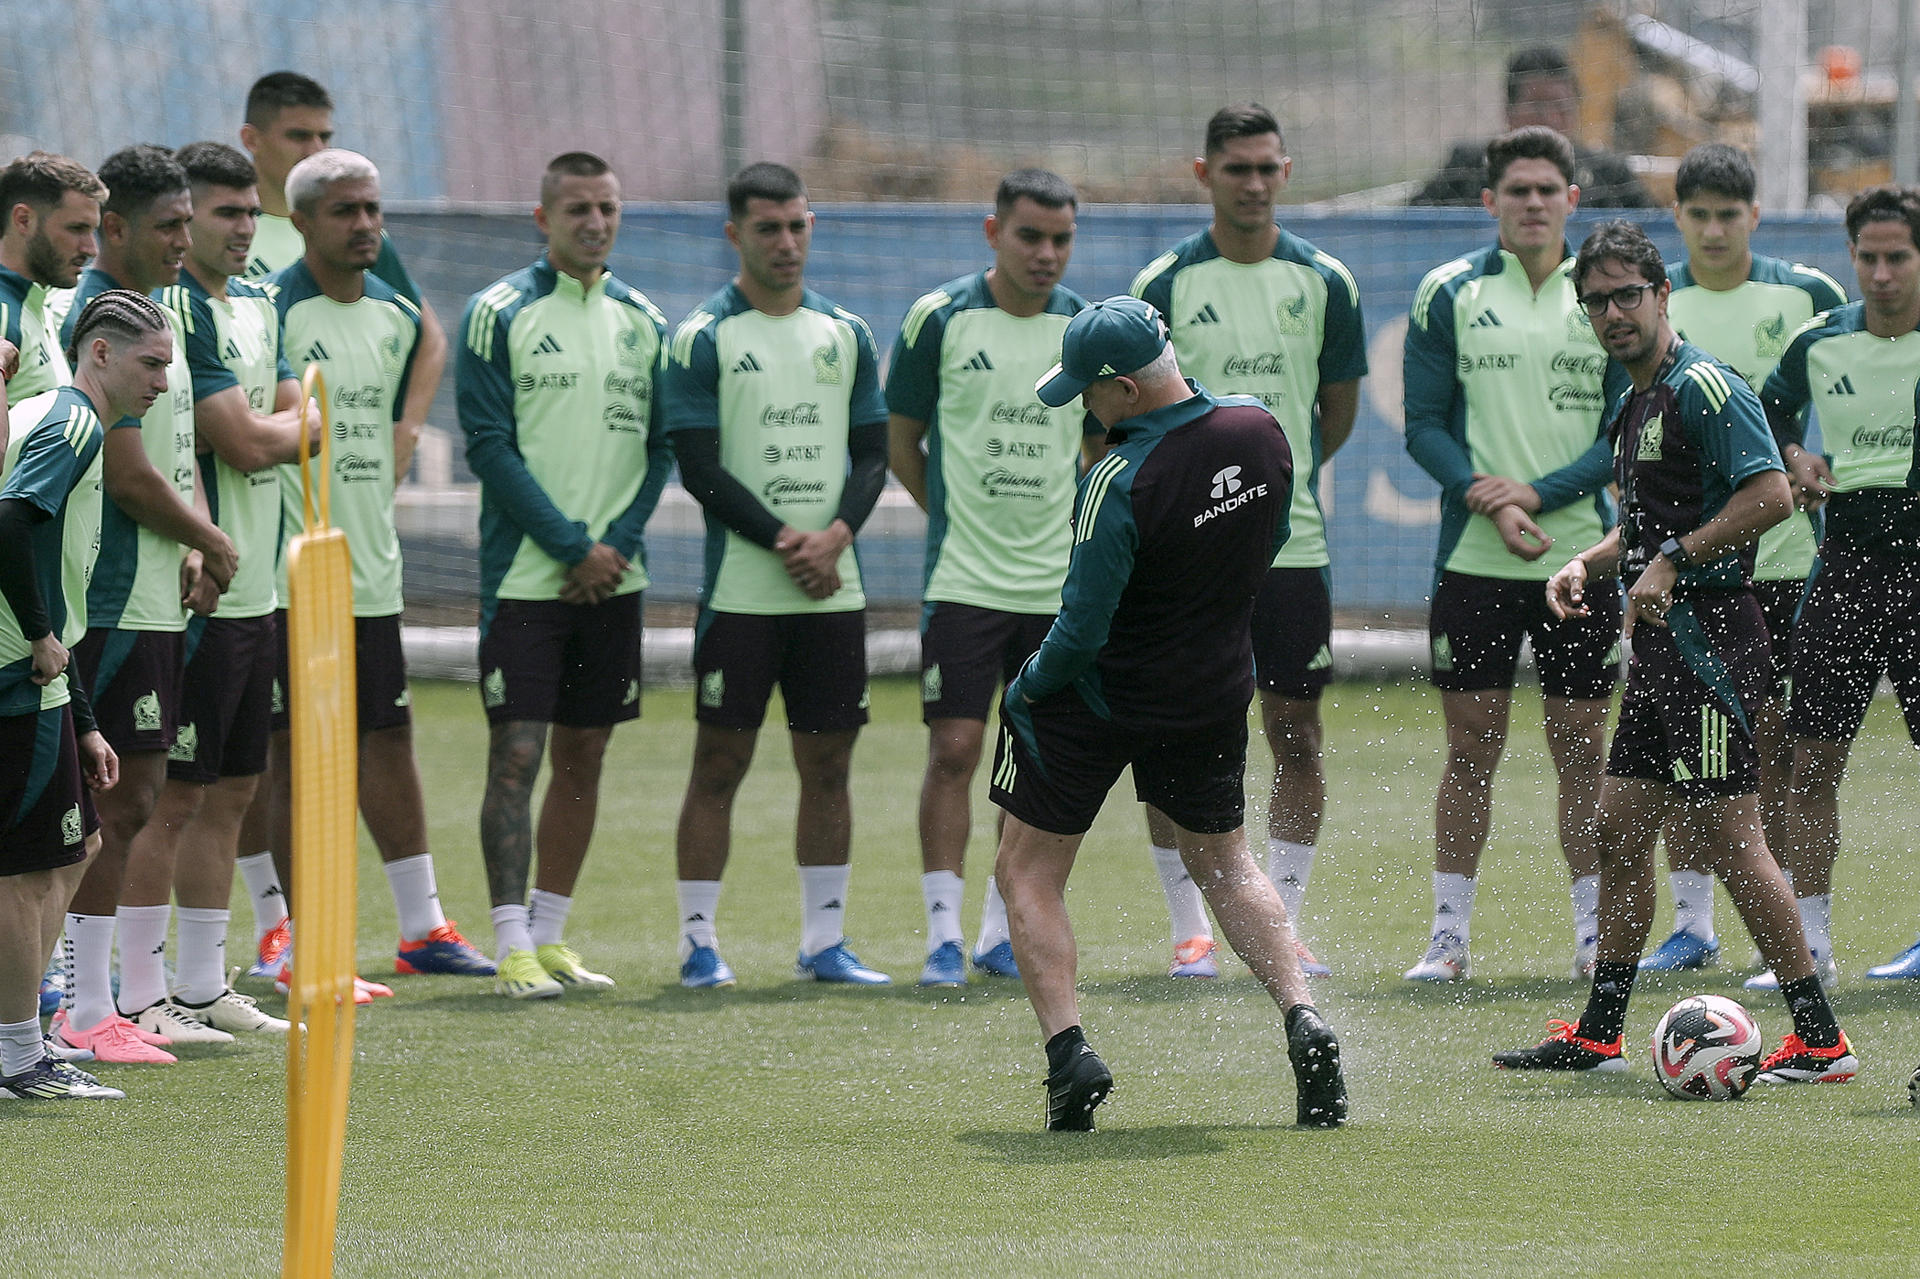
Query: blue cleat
column 1683, row 952
column 946, row 966
column 1904, row 965
column 443, row 950
column 704, row 969
column 837, row 963
column 997, row 961
column 53, row 988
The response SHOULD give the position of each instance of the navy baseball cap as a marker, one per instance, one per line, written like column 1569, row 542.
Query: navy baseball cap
column 1107, row 339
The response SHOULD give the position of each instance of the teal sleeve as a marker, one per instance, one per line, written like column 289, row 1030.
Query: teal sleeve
column 626, row 534
column 1733, row 439
column 1785, row 395
column 1435, row 427
column 1158, row 294
column 49, row 466
column 692, row 389
column 1825, row 296
column 1343, row 344
column 1097, row 575
column 201, row 336
column 868, row 405
column 913, row 374
column 485, row 404
column 390, row 268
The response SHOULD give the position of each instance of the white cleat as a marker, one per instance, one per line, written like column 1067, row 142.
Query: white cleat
column 234, row 1013
column 1446, row 960
column 1824, row 965
column 180, row 1027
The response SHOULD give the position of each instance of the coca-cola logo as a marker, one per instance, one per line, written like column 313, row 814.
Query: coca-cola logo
column 361, row 397
column 1579, row 365
column 1884, row 437
column 805, row 413
column 633, row 384
column 1031, row 414
column 1266, row 364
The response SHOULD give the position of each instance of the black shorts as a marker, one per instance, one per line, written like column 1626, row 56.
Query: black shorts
column 1293, row 633
column 226, row 714
column 1780, row 605
column 966, row 653
column 1676, row 727
column 133, row 680
column 545, row 662
column 1058, row 780
column 382, row 699
column 1477, row 624
column 819, row 660
column 46, row 813
column 1861, row 619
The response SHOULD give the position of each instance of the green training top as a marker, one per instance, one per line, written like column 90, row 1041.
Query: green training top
column 54, row 463
column 784, row 393
column 137, row 584
column 1277, row 330
column 1747, row 327
column 558, row 402
column 1001, row 465
column 1501, row 380
column 365, row 351
column 235, row 341
column 277, row 245
column 25, row 322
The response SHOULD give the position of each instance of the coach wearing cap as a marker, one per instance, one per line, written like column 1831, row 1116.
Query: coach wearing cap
column 1150, row 665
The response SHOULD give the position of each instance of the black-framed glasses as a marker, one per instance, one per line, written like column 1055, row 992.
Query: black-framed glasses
column 1627, row 299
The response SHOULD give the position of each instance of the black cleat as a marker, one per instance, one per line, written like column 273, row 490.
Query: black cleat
column 1315, row 1054
column 1565, row 1050
column 1075, row 1089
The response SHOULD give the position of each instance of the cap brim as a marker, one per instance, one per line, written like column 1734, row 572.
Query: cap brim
column 1056, row 387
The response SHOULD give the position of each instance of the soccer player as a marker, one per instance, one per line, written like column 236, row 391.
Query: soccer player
column 1255, row 310
column 774, row 408
column 1740, row 308
column 1503, row 384
column 1150, row 665
column 52, row 209
column 245, row 412
column 51, row 751
column 558, row 366
column 160, row 553
column 1857, row 366
column 289, row 117
column 1699, row 480
column 334, row 312
column 994, row 469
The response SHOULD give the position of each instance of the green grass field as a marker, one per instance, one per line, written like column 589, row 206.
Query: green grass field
column 782, row 1128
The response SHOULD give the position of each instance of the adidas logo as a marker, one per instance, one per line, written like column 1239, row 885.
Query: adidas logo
column 1486, row 320
column 232, row 352
column 315, row 353
column 1205, row 315
column 979, row 363
column 1445, row 908
column 546, row 346
column 835, row 904
column 747, row 364
column 695, row 918
column 940, row 908
column 1843, row 387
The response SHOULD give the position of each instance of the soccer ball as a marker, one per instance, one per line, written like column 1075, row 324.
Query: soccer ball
column 1707, row 1048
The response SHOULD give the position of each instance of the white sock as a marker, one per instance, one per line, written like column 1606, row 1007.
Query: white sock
column 993, row 919
column 1816, row 920
column 510, row 929
column 200, row 973
column 1186, row 907
column 823, row 907
column 20, row 1046
column 1452, row 903
column 264, row 891
column 88, row 948
column 415, row 896
column 942, row 891
column 1692, row 902
column 143, row 956
column 1585, row 892
column 547, row 917
column 699, row 905
column 1288, row 866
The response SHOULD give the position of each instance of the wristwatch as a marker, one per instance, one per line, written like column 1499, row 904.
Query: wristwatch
column 1676, row 554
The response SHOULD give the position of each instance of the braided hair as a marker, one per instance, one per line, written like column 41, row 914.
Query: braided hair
column 121, row 314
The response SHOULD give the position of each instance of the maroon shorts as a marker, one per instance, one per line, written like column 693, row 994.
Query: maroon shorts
column 46, row 813
column 546, row 662
column 380, row 669
column 819, row 660
column 133, row 680
column 226, row 715
column 1861, row 620
column 966, row 653
column 1293, row 633
column 1678, row 724
column 1477, row 623
column 1054, row 771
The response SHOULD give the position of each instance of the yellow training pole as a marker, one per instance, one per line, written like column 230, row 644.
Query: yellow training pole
column 325, row 795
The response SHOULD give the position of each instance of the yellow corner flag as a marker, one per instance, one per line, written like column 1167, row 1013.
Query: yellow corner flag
column 320, row 662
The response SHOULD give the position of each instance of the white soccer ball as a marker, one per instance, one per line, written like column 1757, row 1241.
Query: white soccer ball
column 1706, row 1048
